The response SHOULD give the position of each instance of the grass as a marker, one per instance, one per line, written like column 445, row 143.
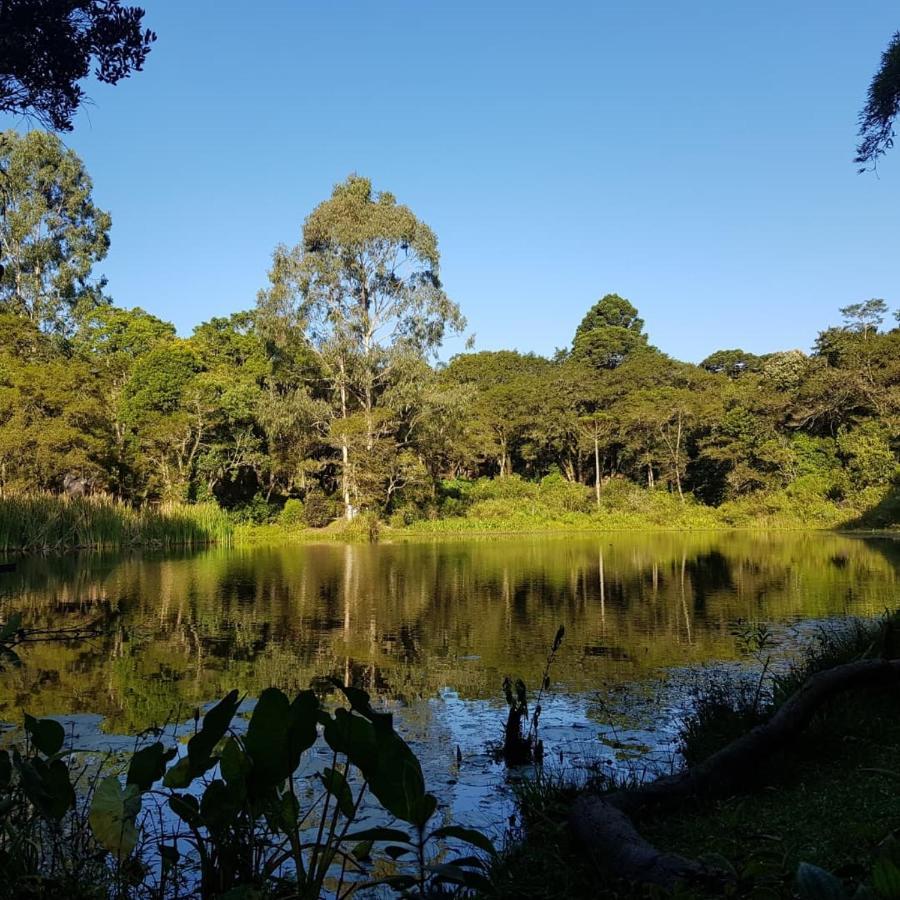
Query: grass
column 47, row 522
column 832, row 800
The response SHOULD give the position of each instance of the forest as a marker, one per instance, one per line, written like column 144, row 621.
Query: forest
column 325, row 398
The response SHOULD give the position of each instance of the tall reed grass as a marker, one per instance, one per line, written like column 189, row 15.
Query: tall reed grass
column 46, row 522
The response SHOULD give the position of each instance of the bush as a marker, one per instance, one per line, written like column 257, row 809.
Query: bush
column 255, row 512
column 566, row 496
column 292, row 514
column 319, row 510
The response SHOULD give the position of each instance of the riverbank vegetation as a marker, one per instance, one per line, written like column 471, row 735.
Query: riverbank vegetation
column 325, row 399
column 756, row 838
column 46, row 522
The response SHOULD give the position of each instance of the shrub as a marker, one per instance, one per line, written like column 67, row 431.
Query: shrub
column 256, row 511
column 319, row 510
column 292, row 514
column 566, row 496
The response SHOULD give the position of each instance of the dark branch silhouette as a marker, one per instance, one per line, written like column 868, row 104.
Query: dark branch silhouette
column 48, row 46
column 876, row 121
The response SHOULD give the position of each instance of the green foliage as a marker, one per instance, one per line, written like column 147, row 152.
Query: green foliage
column 47, row 522
column 867, row 454
column 876, row 121
column 319, row 510
column 327, row 389
column 236, row 798
column 293, row 513
column 50, row 231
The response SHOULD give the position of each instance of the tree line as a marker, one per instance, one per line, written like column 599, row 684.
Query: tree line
column 328, row 390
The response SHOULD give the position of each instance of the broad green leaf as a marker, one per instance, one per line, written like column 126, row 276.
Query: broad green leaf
column 397, row 781
column 354, row 737
column 148, row 765
column 113, row 816
column 215, row 724
column 886, row 879
column 336, row 785
column 278, row 733
column 234, row 762
column 219, row 805
column 360, row 702
column 46, row 785
column 180, row 775
column 46, row 734
column 187, row 808
column 363, row 850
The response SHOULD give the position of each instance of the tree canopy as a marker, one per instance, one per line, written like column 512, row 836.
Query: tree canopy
column 48, row 46
column 876, row 121
column 51, row 233
column 328, row 392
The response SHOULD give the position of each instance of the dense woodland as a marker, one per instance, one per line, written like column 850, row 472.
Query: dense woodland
column 328, row 393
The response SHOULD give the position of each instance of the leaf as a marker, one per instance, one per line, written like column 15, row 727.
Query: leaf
column 180, row 775
column 363, row 850
column 218, row 805
column 453, row 874
column 336, row 785
column 46, row 785
column 46, row 734
column 113, row 816
column 360, row 702
column 187, row 808
column 422, row 810
column 169, row 855
column 148, row 765
column 467, row 835
column 814, row 883
column 354, row 737
column 397, row 852
column 278, row 733
column 234, row 762
column 886, row 879
column 215, row 724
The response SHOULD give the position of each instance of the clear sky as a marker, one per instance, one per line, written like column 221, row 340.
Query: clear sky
column 695, row 157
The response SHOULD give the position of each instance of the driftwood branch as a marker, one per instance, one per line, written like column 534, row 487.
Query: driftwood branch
column 602, row 823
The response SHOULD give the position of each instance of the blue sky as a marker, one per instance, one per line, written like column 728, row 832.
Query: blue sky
column 693, row 157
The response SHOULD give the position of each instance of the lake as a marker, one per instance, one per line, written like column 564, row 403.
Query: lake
column 430, row 628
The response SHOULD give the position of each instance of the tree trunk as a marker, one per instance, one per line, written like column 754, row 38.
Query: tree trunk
column 349, row 512
column 597, row 467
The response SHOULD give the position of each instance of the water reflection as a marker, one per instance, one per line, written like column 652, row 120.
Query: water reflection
column 410, row 620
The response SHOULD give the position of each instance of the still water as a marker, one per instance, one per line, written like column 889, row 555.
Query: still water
column 428, row 628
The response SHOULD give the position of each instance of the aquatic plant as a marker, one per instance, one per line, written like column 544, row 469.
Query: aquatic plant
column 242, row 821
column 521, row 747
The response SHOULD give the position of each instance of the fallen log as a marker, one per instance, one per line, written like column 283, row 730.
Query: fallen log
column 602, row 822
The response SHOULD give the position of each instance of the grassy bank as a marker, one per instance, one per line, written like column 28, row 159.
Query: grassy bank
column 515, row 506
column 46, row 522
column 831, row 800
